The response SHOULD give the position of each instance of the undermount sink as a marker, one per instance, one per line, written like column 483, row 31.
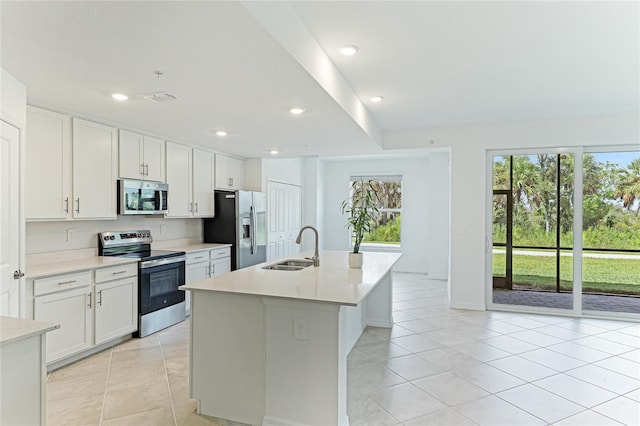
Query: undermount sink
column 289, row 265
column 296, row 262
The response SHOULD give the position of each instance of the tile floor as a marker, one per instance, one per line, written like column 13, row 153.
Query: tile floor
column 437, row 366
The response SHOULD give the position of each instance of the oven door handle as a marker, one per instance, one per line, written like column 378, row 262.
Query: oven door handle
column 158, row 262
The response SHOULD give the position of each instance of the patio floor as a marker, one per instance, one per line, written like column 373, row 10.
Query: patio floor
column 591, row 302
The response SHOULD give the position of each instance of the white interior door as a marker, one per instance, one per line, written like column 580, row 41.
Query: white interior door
column 285, row 215
column 9, row 219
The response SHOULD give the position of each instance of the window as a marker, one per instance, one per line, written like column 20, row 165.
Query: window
column 387, row 229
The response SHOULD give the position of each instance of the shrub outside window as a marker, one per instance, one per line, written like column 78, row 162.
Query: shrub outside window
column 387, row 230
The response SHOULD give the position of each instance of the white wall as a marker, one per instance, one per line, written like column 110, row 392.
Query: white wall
column 257, row 171
column 469, row 146
column 43, row 237
column 437, row 245
column 420, row 182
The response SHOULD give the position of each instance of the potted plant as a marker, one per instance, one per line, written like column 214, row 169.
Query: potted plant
column 362, row 209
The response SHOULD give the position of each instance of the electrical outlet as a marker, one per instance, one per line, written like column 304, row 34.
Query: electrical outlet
column 300, row 329
column 71, row 233
column 163, row 229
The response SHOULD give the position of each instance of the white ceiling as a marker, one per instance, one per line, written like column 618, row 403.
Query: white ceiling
column 436, row 64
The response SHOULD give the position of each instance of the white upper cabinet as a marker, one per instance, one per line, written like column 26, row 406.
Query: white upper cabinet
column 190, row 175
column 203, row 183
column 141, row 157
column 179, row 180
column 71, row 168
column 94, row 170
column 229, row 172
column 48, row 168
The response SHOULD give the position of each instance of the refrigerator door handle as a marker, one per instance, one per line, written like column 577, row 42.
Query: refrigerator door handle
column 252, row 229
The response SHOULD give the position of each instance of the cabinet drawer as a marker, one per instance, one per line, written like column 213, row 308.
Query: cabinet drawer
column 220, row 253
column 116, row 272
column 197, row 257
column 61, row 282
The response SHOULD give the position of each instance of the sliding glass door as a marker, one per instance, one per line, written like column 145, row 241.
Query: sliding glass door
column 532, row 230
column 538, row 262
column 611, row 231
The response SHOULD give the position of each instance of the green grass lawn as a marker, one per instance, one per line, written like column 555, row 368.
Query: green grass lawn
column 619, row 276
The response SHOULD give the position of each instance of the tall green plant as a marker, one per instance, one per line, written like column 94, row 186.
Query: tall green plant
column 361, row 208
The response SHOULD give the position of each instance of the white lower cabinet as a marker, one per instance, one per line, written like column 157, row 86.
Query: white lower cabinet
column 72, row 309
column 89, row 314
column 197, row 269
column 116, row 305
column 205, row 264
column 220, row 266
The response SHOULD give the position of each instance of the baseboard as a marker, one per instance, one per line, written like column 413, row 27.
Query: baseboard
column 380, row 323
column 468, row 306
column 277, row 421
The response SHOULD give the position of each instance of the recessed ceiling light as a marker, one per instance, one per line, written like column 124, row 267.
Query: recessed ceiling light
column 296, row 111
column 119, row 97
column 273, row 152
column 376, row 99
column 349, row 50
column 221, row 133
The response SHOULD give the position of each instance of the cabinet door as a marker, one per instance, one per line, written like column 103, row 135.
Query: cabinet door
column 220, row 266
column 48, row 165
column 203, row 183
column 116, row 309
column 222, row 172
column 72, row 310
column 153, row 159
column 236, row 172
column 179, row 180
column 94, row 171
column 194, row 273
column 129, row 155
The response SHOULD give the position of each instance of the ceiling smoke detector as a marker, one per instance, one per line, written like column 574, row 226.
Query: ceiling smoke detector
column 160, row 97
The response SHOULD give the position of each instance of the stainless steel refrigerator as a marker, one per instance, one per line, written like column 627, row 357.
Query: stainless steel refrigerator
column 241, row 220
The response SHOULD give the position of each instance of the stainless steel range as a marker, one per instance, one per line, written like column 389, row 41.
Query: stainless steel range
column 160, row 273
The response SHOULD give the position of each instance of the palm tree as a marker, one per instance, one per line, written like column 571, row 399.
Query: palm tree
column 629, row 187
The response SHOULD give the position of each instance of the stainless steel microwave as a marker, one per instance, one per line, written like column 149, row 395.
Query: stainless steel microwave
column 141, row 197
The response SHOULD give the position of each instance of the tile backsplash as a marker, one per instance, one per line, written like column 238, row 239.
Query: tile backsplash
column 81, row 236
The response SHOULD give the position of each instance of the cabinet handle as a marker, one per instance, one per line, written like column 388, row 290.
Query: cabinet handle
column 199, row 257
column 119, row 272
column 142, row 169
column 230, row 180
column 191, row 207
column 66, row 282
column 213, row 270
column 89, row 300
column 100, row 300
column 78, row 202
column 66, row 205
column 196, row 207
column 146, row 169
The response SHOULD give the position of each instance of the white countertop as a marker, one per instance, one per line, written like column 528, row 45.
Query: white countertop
column 197, row 247
column 67, row 266
column 13, row 329
column 333, row 281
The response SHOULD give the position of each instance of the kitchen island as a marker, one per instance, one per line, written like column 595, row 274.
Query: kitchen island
column 270, row 347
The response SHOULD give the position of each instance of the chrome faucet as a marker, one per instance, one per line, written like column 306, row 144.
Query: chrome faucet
column 316, row 257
